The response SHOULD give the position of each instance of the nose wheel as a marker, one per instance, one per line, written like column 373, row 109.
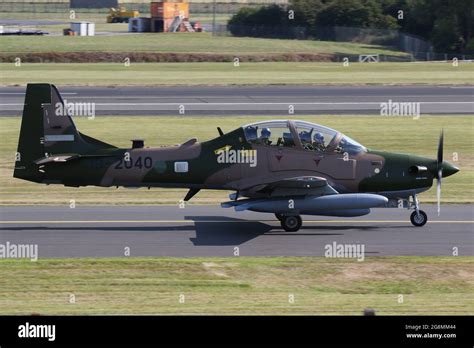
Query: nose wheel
column 290, row 223
column 418, row 218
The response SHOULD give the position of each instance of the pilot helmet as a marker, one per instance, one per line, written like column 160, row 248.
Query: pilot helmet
column 318, row 138
column 251, row 133
column 265, row 133
column 305, row 137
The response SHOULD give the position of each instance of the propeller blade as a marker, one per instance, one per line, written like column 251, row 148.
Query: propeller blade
column 438, row 189
column 439, row 171
column 440, row 149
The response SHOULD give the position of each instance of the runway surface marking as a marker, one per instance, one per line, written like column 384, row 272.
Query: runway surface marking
column 263, row 100
column 256, row 103
column 23, row 93
column 244, row 96
column 217, row 221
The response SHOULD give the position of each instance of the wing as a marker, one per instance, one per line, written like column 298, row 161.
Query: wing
column 297, row 186
column 306, row 195
column 314, row 186
column 304, row 182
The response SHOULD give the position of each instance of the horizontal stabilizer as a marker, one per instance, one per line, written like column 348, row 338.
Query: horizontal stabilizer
column 55, row 159
column 65, row 158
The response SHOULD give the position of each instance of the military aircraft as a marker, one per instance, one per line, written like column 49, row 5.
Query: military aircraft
column 284, row 167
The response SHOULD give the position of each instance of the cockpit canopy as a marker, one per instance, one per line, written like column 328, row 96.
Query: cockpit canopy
column 301, row 134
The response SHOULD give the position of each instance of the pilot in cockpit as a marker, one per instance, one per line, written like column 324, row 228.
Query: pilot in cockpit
column 318, row 142
column 265, row 134
column 251, row 134
column 305, row 138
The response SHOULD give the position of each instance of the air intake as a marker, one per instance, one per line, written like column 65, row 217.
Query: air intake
column 417, row 169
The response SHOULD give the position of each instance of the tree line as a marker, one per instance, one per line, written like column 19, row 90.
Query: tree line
column 447, row 24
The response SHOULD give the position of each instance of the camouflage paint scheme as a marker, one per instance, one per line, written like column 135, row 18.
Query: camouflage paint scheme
column 52, row 151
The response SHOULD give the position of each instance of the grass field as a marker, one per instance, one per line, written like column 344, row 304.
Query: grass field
column 239, row 285
column 153, row 74
column 396, row 134
column 182, row 43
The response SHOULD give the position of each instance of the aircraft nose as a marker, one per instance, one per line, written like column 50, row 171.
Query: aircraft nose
column 448, row 169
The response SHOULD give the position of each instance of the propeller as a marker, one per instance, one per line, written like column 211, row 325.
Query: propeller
column 439, row 170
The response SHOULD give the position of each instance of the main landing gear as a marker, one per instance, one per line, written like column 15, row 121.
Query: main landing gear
column 290, row 223
column 418, row 218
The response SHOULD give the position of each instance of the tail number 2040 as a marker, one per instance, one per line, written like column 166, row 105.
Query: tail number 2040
column 140, row 162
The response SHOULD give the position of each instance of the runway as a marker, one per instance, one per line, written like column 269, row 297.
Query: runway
column 261, row 100
column 106, row 231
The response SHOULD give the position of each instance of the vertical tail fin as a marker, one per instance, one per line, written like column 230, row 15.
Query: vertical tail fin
column 47, row 129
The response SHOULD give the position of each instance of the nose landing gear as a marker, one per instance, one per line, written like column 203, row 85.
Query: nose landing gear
column 418, row 218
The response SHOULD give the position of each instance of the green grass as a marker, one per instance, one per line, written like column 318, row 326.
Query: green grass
column 182, row 43
column 154, row 74
column 239, row 285
column 397, row 134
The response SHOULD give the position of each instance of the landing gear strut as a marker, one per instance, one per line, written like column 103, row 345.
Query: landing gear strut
column 290, row 223
column 418, row 218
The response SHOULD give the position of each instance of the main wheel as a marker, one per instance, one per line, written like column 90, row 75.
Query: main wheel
column 419, row 219
column 291, row 223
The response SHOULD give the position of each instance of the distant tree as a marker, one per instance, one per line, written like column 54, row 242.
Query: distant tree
column 244, row 16
column 306, row 11
column 265, row 15
column 354, row 13
column 447, row 24
column 465, row 24
column 446, row 36
column 265, row 21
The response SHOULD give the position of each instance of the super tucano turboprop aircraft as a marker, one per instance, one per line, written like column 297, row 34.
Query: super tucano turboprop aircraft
column 286, row 167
